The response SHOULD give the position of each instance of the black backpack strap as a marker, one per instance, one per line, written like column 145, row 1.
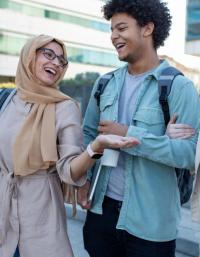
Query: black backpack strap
column 164, row 87
column 103, row 81
column 4, row 93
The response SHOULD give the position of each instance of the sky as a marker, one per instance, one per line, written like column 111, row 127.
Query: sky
column 175, row 44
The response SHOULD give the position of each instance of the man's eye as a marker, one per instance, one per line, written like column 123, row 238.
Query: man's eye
column 122, row 28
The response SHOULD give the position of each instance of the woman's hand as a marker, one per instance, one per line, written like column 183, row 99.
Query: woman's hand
column 181, row 131
column 82, row 196
column 113, row 141
column 80, row 164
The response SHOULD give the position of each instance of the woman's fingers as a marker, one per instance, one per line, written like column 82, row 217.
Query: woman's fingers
column 182, row 126
column 129, row 142
column 185, row 137
column 180, row 134
column 179, row 131
column 173, row 119
column 115, row 141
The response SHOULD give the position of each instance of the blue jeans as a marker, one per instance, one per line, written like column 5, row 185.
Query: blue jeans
column 16, row 253
column 101, row 238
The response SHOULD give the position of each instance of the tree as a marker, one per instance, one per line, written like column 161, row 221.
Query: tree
column 81, row 79
column 80, row 87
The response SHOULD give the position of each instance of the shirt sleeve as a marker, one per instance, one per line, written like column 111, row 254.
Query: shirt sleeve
column 91, row 122
column 70, row 139
column 91, row 118
column 183, row 101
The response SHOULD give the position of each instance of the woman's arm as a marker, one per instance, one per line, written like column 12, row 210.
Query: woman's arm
column 80, row 164
column 73, row 163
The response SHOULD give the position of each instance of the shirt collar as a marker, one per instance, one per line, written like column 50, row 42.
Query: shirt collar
column 155, row 72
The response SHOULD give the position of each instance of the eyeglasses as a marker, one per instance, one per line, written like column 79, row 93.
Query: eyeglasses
column 50, row 55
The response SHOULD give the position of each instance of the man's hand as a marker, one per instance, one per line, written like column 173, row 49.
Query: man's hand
column 82, row 196
column 110, row 127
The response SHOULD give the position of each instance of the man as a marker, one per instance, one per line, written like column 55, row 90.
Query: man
column 136, row 206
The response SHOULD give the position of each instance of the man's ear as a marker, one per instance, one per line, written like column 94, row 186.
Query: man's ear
column 148, row 29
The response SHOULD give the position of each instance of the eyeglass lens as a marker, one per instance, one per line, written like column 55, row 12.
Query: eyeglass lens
column 50, row 55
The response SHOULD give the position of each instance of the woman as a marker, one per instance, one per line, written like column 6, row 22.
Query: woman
column 41, row 146
column 184, row 131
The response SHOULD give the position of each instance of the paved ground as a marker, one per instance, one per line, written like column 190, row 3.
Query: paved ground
column 75, row 234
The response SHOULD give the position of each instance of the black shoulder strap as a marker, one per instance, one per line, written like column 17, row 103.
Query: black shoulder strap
column 164, row 87
column 4, row 93
column 102, row 85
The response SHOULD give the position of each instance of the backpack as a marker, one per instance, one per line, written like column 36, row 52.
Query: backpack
column 165, row 81
column 5, row 96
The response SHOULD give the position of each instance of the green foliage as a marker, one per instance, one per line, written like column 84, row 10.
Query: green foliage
column 81, row 79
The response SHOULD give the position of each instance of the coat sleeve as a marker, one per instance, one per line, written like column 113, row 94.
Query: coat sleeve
column 184, row 101
column 91, row 121
column 91, row 118
column 70, row 139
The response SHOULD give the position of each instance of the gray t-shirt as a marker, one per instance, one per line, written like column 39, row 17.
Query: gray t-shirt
column 127, row 102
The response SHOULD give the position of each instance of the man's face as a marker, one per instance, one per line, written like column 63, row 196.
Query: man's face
column 127, row 37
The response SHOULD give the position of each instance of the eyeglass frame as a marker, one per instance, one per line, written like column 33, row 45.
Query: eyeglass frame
column 43, row 49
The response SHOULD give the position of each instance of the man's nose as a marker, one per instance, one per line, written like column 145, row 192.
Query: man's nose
column 114, row 35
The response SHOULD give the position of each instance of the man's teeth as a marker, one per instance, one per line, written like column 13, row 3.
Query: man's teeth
column 119, row 45
column 52, row 71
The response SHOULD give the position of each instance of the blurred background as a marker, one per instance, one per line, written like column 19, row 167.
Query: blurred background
column 87, row 36
column 79, row 23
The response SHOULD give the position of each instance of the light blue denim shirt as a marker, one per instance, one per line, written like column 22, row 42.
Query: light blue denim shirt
column 151, row 204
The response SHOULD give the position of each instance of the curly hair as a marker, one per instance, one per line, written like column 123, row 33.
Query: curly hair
column 143, row 11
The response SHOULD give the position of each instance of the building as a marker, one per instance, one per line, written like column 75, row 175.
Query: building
column 78, row 23
column 193, row 27
column 177, row 45
column 87, row 34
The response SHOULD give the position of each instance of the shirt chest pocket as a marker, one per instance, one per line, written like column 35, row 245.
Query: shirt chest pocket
column 107, row 110
column 151, row 119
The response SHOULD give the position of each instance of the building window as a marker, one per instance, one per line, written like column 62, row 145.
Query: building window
column 12, row 45
column 54, row 15
column 193, row 20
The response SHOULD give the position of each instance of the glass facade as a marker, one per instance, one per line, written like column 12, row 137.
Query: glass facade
column 12, row 45
column 55, row 15
column 193, row 20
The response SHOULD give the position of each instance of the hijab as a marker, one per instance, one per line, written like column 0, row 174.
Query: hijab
column 35, row 144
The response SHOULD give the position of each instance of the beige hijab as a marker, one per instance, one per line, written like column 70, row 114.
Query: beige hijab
column 35, row 145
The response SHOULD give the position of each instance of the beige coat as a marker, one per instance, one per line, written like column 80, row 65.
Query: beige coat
column 195, row 203
column 32, row 213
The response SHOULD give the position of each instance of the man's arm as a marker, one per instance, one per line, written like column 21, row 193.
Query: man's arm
column 90, row 124
column 184, row 101
column 91, row 118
